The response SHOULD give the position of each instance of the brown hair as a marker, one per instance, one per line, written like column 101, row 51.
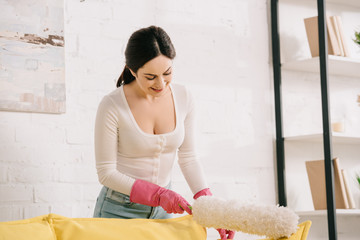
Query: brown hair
column 144, row 45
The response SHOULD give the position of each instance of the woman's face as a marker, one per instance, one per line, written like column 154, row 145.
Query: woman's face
column 155, row 76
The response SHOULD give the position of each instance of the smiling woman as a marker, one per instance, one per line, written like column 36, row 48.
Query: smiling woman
column 141, row 128
column 154, row 77
column 149, row 96
column 143, row 46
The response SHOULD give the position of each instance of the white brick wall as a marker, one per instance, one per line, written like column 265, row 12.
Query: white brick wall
column 47, row 161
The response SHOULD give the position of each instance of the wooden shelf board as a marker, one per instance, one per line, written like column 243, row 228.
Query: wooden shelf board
column 337, row 65
column 336, row 138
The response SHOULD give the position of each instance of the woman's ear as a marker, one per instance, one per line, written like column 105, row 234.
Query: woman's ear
column 132, row 73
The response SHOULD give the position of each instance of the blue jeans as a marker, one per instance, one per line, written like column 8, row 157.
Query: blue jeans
column 113, row 204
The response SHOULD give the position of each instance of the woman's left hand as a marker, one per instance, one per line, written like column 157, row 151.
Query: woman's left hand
column 226, row 234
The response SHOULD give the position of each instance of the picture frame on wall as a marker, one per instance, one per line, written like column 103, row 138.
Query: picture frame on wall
column 32, row 68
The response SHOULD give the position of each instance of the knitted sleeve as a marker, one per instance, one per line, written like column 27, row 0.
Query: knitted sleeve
column 188, row 158
column 106, row 143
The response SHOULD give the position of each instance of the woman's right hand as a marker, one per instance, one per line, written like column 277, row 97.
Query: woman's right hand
column 173, row 202
column 150, row 194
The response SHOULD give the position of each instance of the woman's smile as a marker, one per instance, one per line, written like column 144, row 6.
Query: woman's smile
column 157, row 89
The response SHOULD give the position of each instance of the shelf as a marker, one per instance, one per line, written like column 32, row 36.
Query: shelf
column 339, row 213
column 336, row 138
column 353, row 3
column 337, row 65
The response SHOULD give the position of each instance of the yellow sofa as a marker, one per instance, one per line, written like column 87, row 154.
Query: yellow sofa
column 300, row 234
column 56, row 227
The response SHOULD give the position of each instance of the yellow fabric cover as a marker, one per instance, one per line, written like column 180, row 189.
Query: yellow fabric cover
column 56, row 227
column 114, row 229
column 34, row 228
column 300, row 234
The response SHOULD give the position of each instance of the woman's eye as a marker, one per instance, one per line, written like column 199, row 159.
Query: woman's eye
column 166, row 74
column 150, row 78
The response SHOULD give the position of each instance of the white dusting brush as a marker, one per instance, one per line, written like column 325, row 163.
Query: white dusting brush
column 259, row 219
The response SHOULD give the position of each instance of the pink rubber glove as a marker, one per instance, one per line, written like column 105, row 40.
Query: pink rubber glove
column 150, row 194
column 224, row 234
column 204, row 192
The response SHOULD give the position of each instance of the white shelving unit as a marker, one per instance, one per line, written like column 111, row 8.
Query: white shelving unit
column 301, row 148
column 343, row 66
column 353, row 3
column 336, row 138
column 347, row 222
column 339, row 212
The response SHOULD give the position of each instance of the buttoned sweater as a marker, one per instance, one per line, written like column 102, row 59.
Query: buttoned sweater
column 124, row 152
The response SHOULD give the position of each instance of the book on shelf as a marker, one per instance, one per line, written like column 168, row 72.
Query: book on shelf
column 349, row 193
column 311, row 27
column 333, row 40
column 339, row 184
column 335, row 36
column 335, row 25
column 338, row 27
column 316, row 175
